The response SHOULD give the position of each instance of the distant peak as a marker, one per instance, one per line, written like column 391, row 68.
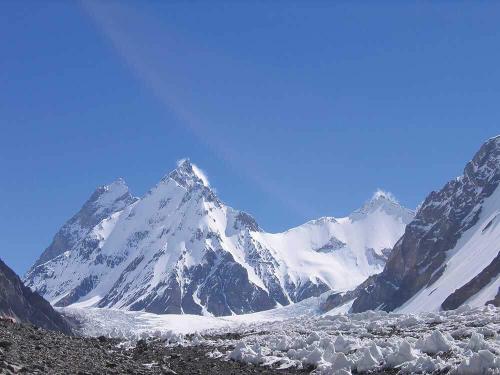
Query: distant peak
column 380, row 198
column 495, row 139
column 117, row 187
column 188, row 174
column 385, row 201
column 491, row 146
column 119, row 183
column 484, row 164
column 381, row 195
column 184, row 163
column 107, row 194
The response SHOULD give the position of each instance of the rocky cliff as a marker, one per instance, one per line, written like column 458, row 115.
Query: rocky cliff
column 21, row 304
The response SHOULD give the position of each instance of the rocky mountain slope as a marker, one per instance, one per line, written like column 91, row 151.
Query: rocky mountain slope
column 19, row 303
column 449, row 254
column 180, row 249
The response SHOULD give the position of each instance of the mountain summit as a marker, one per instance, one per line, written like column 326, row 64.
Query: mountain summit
column 180, row 249
column 187, row 175
column 385, row 202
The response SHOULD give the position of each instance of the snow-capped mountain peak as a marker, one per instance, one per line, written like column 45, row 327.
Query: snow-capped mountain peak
column 118, row 185
column 179, row 249
column 104, row 202
column 187, row 175
column 111, row 197
column 386, row 202
column 381, row 195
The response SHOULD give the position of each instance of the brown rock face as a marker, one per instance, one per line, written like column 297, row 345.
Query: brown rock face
column 418, row 257
column 462, row 294
column 19, row 302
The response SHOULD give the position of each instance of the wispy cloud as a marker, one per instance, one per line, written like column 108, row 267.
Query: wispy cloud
column 130, row 35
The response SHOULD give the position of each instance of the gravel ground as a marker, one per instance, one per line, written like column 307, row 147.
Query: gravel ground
column 31, row 350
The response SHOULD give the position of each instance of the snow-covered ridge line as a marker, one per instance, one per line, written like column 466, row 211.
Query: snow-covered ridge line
column 180, row 249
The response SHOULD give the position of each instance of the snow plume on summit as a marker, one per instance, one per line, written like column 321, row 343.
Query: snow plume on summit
column 180, row 249
column 186, row 164
column 382, row 194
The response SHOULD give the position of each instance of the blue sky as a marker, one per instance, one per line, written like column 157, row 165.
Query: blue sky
column 294, row 110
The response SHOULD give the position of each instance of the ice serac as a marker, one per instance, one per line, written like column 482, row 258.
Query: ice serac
column 449, row 254
column 21, row 304
column 180, row 249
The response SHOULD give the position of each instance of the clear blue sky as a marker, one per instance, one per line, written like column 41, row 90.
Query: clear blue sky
column 294, row 110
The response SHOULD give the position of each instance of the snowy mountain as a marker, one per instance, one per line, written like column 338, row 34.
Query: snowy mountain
column 179, row 249
column 105, row 201
column 21, row 304
column 450, row 253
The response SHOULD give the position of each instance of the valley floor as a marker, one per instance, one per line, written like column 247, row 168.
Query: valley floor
column 286, row 341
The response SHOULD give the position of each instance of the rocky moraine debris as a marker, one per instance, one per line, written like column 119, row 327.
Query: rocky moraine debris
column 26, row 349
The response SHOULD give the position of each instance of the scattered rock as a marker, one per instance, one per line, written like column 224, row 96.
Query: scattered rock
column 59, row 354
column 5, row 344
column 102, row 339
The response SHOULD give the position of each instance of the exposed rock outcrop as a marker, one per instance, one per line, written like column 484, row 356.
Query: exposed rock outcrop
column 21, row 304
column 462, row 294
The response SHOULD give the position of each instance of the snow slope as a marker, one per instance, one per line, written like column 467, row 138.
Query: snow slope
column 357, row 243
column 179, row 249
column 105, row 201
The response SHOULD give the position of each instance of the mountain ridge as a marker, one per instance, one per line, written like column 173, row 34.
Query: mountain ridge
column 105, row 200
column 180, row 249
